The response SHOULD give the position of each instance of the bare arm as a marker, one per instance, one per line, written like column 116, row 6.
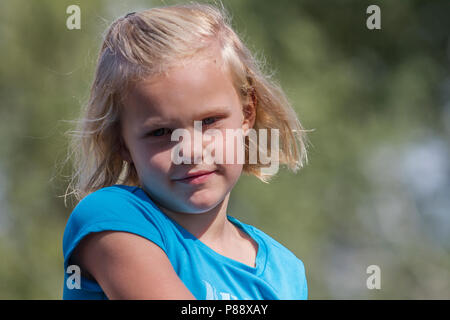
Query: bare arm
column 128, row 266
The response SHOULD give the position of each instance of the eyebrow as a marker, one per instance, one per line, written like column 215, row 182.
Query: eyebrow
column 216, row 110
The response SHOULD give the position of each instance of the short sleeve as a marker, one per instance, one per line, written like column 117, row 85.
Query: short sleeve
column 111, row 209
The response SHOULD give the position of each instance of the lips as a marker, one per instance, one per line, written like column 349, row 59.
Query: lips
column 199, row 173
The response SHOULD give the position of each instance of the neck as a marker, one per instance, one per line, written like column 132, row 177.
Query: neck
column 210, row 226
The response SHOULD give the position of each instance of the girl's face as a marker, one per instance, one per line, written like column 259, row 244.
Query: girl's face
column 156, row 107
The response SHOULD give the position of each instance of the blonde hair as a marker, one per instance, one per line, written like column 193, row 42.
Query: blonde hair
column 147, row 43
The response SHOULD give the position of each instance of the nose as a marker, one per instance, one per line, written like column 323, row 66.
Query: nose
column 190, row 147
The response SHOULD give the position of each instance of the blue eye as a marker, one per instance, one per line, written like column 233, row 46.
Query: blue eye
column 158, row 132
column 162, row 131
column 209, row 122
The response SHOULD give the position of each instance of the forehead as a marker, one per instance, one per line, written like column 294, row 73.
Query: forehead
column 182, row 91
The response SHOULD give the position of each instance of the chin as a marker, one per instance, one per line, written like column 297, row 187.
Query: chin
column 204, row 201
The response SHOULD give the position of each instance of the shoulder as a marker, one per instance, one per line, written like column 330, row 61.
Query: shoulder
column 117, row 202
column 107, row 197
column 105, row 204
column 285, row 268
column 293, row 267
column 275, row 248
column 113, row 208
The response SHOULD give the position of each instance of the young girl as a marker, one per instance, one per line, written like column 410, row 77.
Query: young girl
column 144, row 227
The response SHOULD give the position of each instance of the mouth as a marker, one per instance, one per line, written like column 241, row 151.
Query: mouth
column 197, row 178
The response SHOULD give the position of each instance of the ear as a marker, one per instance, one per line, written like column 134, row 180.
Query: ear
column 249, row 111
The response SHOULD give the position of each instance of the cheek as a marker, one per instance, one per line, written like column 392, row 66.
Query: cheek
column 159, row 162
column 232, row 163
column 154, row 162
column 233, row 170
column 233, row 148
column 231, row 174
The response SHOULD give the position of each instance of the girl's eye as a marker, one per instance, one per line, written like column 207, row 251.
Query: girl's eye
column 208, row 120
column 161, row 131
column 158, row 133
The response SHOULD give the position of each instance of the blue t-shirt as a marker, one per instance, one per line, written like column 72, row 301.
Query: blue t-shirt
column 278, row 273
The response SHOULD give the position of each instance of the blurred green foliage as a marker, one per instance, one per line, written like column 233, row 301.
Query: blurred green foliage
column 376, row 189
